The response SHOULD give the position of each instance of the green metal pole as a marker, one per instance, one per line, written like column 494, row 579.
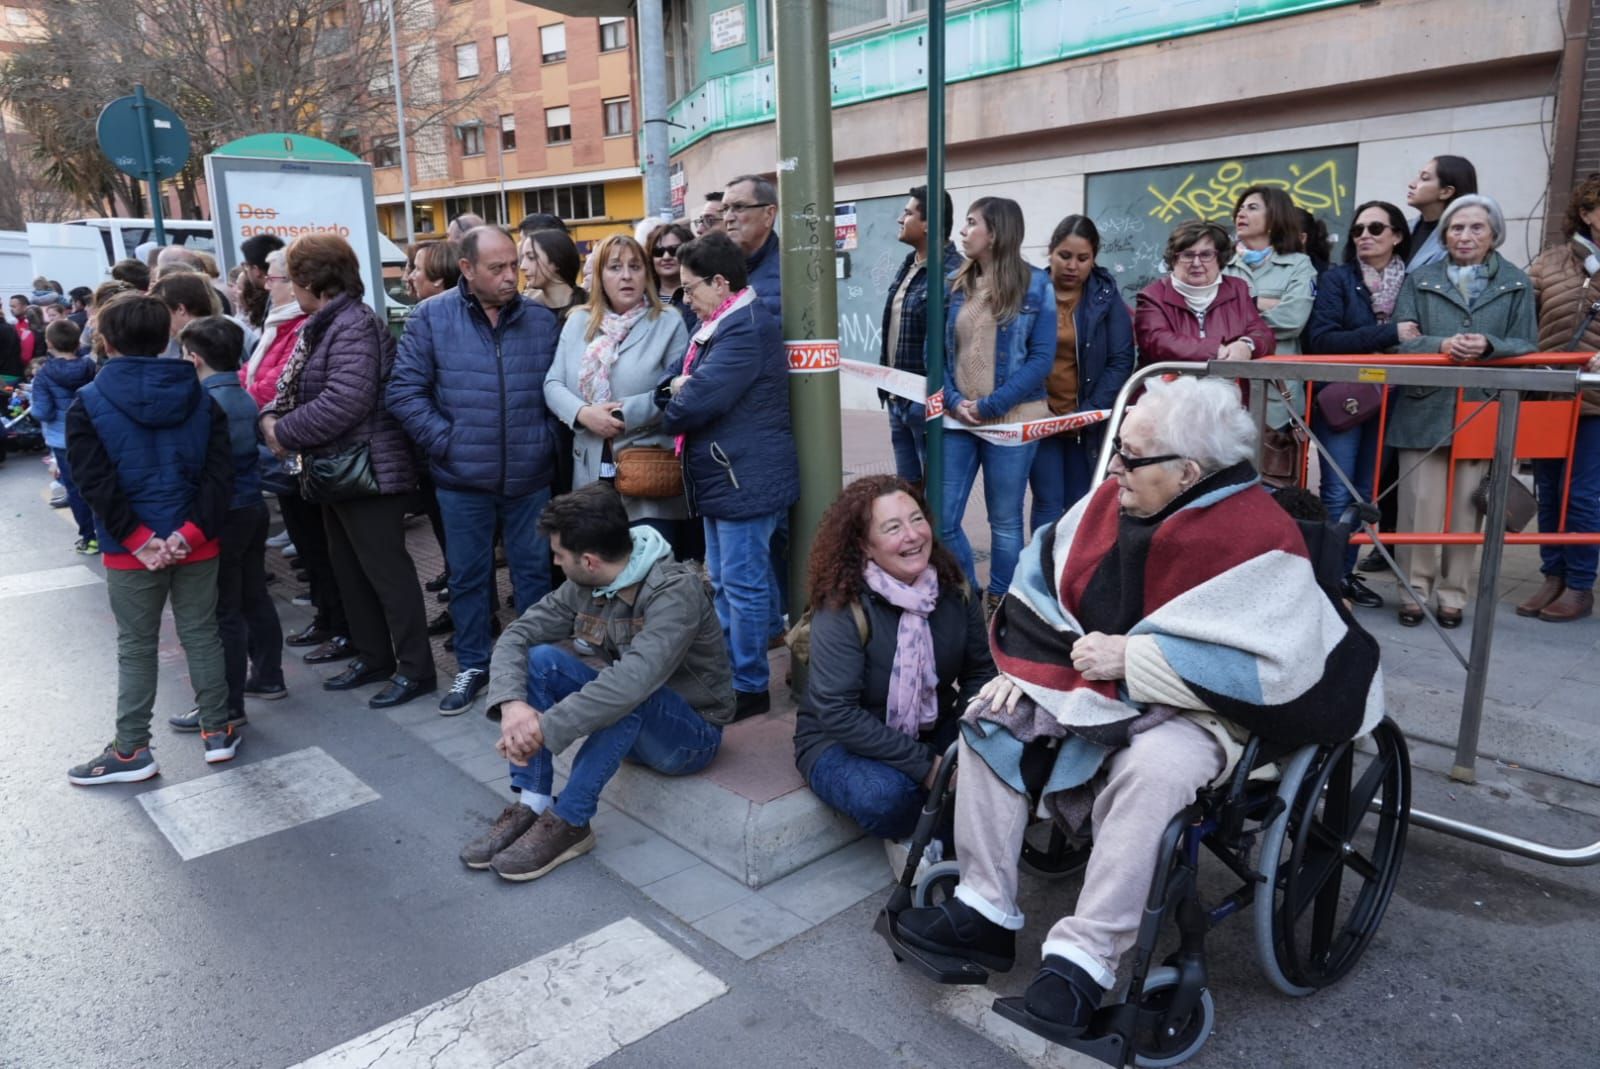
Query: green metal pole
column 933, row 469
column 148, row 162
column 810, row 298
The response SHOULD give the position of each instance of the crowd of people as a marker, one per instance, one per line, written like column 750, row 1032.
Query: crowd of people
column 1431, row 284
column 599, row 422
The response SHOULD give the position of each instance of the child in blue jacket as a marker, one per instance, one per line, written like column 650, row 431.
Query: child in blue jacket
column 55, row 384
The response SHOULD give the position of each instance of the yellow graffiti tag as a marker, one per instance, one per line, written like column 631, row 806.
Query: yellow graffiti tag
column 1317, row 190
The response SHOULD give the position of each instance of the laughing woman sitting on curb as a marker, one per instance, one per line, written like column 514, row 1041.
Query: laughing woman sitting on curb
column 898, row 650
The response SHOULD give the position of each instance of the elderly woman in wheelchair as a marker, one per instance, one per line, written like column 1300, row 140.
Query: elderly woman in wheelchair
column 1169, row 619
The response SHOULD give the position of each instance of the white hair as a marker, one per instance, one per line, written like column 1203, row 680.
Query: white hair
column 1203, row 420
column 1491, row 208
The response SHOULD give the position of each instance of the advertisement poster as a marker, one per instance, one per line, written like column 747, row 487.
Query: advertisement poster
column 289, row 198
column 844, row 227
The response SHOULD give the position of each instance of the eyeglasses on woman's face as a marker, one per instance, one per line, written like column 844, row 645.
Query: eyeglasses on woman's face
column 667, row 252
column 1370, row 229
column 1198, row 256
column 1133, row 463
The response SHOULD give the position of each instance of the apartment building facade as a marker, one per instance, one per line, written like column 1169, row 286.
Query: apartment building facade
column 1141, row 114
column 551, row 125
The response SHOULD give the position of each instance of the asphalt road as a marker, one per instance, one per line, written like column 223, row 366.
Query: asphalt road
column 116, row 951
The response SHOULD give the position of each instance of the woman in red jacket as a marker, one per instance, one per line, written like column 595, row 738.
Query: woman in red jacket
column 1194, row 313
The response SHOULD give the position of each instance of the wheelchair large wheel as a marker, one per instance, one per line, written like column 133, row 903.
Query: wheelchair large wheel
column 1166, row 1042
column 1331, row 859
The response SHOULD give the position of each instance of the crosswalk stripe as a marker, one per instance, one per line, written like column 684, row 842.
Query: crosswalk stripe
column 224, row 809
column 567, row 1009
column 46, row 580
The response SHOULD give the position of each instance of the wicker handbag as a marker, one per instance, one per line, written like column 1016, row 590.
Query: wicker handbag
column 649, row 471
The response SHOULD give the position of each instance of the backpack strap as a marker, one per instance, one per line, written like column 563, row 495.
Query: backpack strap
column 858, row 613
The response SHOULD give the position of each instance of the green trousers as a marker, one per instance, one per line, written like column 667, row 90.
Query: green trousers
column 137, row 598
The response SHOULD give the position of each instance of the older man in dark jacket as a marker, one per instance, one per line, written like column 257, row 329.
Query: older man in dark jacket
column 469, row 387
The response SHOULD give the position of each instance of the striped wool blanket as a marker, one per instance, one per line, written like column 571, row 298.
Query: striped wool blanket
column 1222, row 611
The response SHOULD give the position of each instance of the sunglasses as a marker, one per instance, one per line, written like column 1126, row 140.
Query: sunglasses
column 663, row 251
column 1371, row 229
column 1132, row 463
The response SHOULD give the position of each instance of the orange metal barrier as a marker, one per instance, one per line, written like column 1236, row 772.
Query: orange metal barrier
column 1546, row 430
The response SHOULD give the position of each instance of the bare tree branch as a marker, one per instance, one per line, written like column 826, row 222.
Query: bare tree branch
column 229, row 68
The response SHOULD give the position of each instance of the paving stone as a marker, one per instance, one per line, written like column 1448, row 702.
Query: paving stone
column 636, row 853
column 832, row 884
column 751, row 926
column 697, row 891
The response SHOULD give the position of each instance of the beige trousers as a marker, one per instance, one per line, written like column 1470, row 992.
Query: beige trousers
column 1448, row 573
column 1145, row 786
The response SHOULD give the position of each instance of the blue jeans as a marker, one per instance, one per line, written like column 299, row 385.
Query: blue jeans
column 1060, row 475
column 1574, row 565
column 470, row 519
column 884, row 801
column 664, row 733
column 908, row 435
column 739, row 561
column 1355, row 450
column 1005, row 480
column 81, row 513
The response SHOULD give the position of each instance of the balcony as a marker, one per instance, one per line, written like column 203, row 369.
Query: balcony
column 979, row 41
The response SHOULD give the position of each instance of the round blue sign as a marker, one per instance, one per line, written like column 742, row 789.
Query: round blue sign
column 118, row 133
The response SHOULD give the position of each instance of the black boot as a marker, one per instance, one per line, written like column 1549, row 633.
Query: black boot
column 1063, row 994
column 956, row 929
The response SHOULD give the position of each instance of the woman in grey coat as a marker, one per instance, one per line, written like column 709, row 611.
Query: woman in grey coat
column 1472, row 305
column 602, row 384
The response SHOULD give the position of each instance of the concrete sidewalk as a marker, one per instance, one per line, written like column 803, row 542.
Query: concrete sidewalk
column 751, row 818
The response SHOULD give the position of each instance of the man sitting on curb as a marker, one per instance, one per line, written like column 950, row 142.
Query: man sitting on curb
column 628, row 652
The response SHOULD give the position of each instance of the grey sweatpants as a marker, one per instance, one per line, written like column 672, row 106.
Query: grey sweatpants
column 1145, row 786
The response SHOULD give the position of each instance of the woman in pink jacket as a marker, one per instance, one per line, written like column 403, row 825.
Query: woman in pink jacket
column 278, row 335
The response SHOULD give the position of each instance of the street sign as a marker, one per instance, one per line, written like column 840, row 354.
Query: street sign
column 145, row 139
column 120, row 140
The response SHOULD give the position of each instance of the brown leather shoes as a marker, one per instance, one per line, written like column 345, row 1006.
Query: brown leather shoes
column 514, row 820
column 1552, row 589
column 549, row 843
column 1571, row 605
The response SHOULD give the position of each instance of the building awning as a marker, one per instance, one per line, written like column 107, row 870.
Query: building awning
column 512, row 185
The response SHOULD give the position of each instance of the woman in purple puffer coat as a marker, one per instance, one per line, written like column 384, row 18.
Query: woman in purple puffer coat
column 330, row 398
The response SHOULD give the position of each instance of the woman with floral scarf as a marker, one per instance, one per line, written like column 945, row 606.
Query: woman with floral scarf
column 602, row 384
column 1470, row 306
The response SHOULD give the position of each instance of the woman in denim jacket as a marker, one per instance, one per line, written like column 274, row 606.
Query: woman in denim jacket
column 1000, row 334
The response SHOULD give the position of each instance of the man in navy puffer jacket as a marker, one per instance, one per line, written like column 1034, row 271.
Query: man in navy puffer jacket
column 468, row 385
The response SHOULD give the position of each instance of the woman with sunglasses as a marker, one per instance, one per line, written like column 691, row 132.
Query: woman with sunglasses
column 1354, row 313
column 663, row 248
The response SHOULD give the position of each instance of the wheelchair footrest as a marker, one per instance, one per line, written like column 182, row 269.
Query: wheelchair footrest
column 1103, row 1044
column 940, row 968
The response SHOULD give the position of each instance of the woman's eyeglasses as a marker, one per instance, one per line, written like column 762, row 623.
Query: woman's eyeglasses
column 1370, row 229
column 1205, row 256
column 664, row 252
column 1133, row 463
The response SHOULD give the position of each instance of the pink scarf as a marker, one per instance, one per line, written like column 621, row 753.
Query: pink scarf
column 702, row 334
column 594, row 378
column 913, row 703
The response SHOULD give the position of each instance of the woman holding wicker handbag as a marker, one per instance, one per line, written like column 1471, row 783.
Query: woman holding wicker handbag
column 613, row 351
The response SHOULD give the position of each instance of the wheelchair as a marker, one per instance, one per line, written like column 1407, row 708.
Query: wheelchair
column 1316, row 853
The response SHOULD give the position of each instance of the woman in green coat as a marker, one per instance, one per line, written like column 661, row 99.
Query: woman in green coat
column 1472, row 305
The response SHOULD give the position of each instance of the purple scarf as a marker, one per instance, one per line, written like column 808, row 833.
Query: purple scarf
column 914, row 683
